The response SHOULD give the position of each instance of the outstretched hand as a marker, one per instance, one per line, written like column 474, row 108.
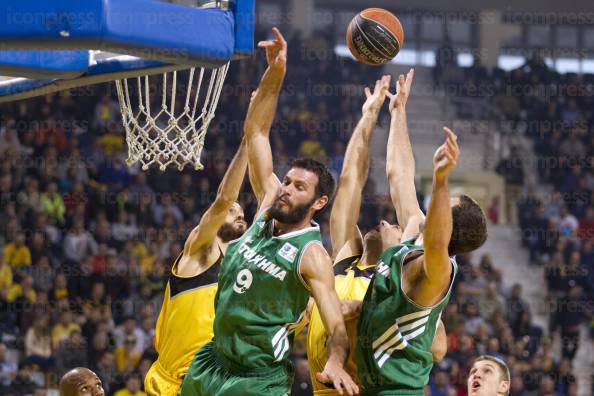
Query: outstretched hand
column 403, row 86
column 276, row 50
column 446, row 156
column 335, row 376
column 376, row 99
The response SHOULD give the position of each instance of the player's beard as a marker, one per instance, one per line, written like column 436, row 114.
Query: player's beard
column 229, row 232
column 294, row 214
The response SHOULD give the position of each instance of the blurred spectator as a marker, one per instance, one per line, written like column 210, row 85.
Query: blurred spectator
column 440, row 385
column 490, row 302
column 38, row 343
column 52, row 203
column 71, row 352
column 567, row 224
column 126, row 356
column 106, row 370
column 8, row 370
column 16, row 253
column 5, row 274
column 512, row 169
column 23, row 384
column 106, row 113
column 62, row 330
column 586, row 225
column 78, row 243
column 569, row 316
column 564, row 378
column 22, row 291
column 129, row 329
column 516, row 305
column 132, row 387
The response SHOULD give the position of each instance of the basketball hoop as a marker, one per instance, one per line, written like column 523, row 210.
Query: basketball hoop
column 162, row 135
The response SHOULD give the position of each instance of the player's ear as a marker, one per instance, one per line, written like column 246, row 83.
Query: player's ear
column 503, row 388
column 320, row 202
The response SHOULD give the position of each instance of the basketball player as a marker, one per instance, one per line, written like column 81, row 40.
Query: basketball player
column 413, row 278
column 271, row 270
column 185, row 321
column 81, row 382
column 354, row 256
column 488, row 376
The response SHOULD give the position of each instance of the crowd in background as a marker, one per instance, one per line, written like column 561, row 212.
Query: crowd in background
column 87, row 243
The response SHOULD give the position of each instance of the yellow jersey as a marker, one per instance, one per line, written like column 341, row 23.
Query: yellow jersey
column 351, row 280
column 186, row 318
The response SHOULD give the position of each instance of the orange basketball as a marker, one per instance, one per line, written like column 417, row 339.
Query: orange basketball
column 375, row 36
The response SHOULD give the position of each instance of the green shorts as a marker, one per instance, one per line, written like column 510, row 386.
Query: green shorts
column 210, row 374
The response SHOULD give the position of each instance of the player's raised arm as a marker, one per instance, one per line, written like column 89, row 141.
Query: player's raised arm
column 400, row 162
column 260, row 117
column 206, row 231
column 347, row 204
column 438, row 225
column 316, row 269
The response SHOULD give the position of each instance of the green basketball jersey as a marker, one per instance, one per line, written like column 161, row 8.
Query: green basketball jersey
column 395, row 333
column 261, row 295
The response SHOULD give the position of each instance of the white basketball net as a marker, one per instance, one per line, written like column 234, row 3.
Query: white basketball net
column 160, row 134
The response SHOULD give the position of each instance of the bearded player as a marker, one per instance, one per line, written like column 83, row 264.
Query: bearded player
column 187, row 314
column 269, row 273
column 354, row 256
column 489, row 376
column 413, row 278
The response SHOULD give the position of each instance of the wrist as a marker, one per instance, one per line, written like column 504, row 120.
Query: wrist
column 371, row 113
column 335, row 361
column 398, row 110
column 440, row 179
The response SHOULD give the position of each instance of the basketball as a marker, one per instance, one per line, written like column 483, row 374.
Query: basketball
column 375, row 36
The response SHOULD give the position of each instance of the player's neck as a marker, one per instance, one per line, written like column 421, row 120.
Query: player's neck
column 370, row 255
column 283, row 228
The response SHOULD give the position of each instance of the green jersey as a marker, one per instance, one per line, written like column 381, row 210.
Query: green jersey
column 261, row 295
column 395, row 333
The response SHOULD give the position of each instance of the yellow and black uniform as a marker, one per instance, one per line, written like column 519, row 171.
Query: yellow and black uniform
column 184, row 326
column 351, row 279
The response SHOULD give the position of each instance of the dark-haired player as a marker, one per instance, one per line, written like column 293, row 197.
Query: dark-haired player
column 187, row 314
column 81, row 382
column 269, row 273
column 413, row 278
column 355, row 256
column 488, row 376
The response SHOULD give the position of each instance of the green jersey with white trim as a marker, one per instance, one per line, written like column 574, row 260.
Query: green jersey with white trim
column 261, row 295
column 395, row 333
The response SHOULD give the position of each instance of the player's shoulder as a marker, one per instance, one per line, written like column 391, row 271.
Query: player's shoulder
column 316, row 251
column 314, row 258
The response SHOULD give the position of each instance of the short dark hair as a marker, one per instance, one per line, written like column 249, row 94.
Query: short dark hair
column 326, row 183
column 469, row 230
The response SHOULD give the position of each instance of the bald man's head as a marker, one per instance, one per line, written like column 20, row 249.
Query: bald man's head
column 81, row 382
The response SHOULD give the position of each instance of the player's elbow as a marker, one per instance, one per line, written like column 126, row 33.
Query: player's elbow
column 223, row 202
